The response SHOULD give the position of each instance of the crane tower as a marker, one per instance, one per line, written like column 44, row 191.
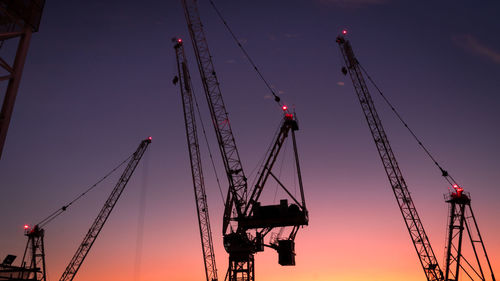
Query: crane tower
column 399, row 187
column 245, row 221
column 461, row 216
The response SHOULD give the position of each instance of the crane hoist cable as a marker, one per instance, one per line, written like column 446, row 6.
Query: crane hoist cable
column 444, row 173
column 61, row 210
column 276, row 98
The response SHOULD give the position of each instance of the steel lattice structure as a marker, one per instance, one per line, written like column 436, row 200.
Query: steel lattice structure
column 411, row 218
column 237, row 180
column 196, row 164
column 245, row 221
column 462, row 218
column 18, row 19
column 84, row 248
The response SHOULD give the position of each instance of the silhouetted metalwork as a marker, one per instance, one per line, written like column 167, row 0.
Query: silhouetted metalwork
column 84, row 248
column 245, row 221
column 462, row 218
column 33, row 263
column 412, row 220
column 18, row 19
column 227, row 145
column 184, row 81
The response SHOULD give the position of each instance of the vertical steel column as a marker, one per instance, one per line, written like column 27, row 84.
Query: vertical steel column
column 455, row 235
column 462, row 218
column 19, row 20
column 14, row 80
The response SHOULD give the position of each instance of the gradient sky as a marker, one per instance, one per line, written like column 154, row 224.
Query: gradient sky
column 98, row 80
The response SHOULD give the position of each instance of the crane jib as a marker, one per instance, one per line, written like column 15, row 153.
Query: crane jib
column 84, row 248
column 196, row 164
column 412, row 220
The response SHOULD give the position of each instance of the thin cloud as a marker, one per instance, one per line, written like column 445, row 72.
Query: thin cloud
column 353, row 3
column 292, row 35
column 340, row 83
column 471, row 44
column 271, row 37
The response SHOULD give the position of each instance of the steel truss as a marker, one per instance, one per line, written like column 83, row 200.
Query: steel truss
column 411, row 218
column 18, row 20
column 462, row 218
column 196, row 164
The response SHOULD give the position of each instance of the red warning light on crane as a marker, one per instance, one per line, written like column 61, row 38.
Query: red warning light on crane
column 179, row 40
column 26, row 226
column 150, row 138
column 344, row 32
column 284, row 107
column 458, row 189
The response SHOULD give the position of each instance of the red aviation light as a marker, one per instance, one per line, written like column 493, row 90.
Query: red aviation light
column 26, row 227
column 284, row 107
column 179, row 40
column 150, row 138
column 458, row 189
column 344, row 32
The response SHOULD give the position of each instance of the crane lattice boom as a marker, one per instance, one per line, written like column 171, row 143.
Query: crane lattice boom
column 412, row 220
column 237, row 181
column 245, row 221
column 84, row 248
column 196, row 165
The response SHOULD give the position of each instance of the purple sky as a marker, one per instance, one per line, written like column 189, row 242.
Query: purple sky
column 98, row 80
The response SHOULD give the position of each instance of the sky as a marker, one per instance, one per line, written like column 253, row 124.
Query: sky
column 98, row 80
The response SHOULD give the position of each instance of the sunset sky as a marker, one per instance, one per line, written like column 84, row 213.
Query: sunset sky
column 98, row 80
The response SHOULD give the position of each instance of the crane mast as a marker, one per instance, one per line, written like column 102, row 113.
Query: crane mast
column 195, row 160
column 412, row 220
column 84, row 248
column 237, row 191
column 462, row 218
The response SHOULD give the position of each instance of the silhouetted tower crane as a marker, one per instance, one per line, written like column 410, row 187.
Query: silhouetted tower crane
column 245, row 221
column 412, row 220
column 84, row 248
column 33, row 264
column 184, row 80
column 18, row 19
column 460, row 212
